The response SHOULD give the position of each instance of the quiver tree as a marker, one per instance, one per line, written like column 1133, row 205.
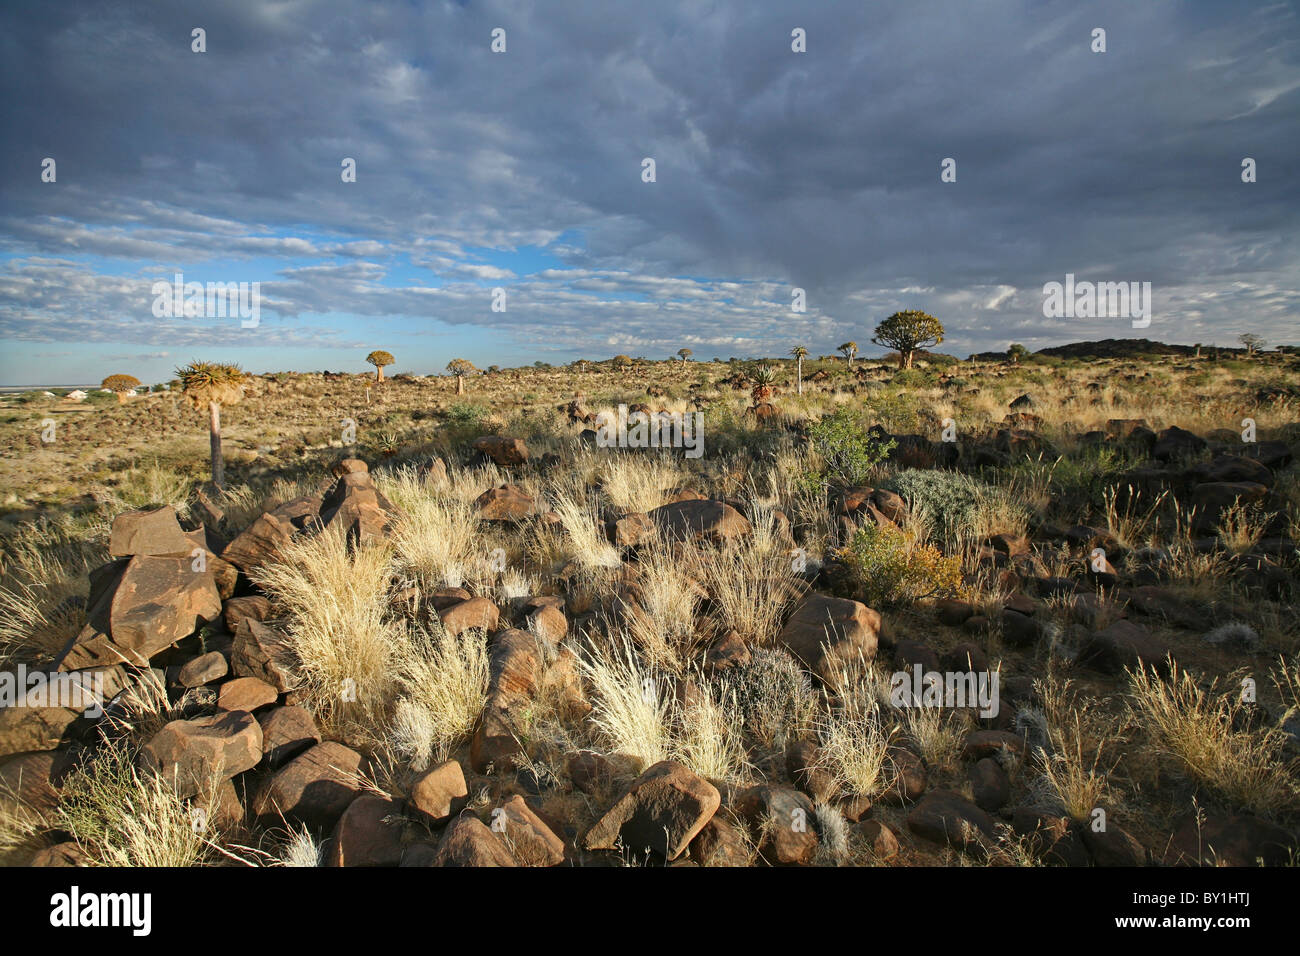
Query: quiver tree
column 906, row 332
column 212, row 385
column 684, row 354
column 762, row 376
column 848, row 349
column 1017, row 353
column 122, row 385
column 460, row 368
column 379, row 358
column 800, row 353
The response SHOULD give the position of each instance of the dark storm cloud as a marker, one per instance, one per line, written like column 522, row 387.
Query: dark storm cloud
column 817, row 170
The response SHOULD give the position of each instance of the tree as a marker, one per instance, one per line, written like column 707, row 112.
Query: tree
column 213, row 385
column 908, row 331
column 763, row 376
column 685, row 354
column 460, row 368
column 622, row 361
column 800, row 353
column 1017, row 353
column 849, row 349
column 379, row 358
column 1252, row 342
column 123, row 385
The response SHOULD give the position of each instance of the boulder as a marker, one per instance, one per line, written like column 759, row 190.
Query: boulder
column 825, row 632
column 286, row 733
column 782, row 821
column 662, row 810
column 504, row 451
column 707, row 520
column 189, row 754
column 313, row 789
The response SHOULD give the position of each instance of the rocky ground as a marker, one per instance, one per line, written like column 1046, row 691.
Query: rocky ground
column 473, row 636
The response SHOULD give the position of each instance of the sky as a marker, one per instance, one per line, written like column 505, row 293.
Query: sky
column 524, row 171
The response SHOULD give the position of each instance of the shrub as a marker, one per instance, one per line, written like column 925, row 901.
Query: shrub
column 848, row 452
column 962, row 508
column 886, row 566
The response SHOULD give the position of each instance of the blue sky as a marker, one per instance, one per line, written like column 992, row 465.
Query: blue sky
column 522, row 170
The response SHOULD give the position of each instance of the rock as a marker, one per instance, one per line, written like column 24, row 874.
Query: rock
column 26, row 729
column 1123, row 644
column 549, row 623
column 1024, row 401
column 880, row 839
column 439, row 793
column 313, row 789
column 909, row 773
column 805, row 771
column 728, row 653
column 260, row 543
column 264, row 653
column 1052, row 838
column 910, row 654
column 708, row 520
column 631, row 529
column 1012, row 545
column 444, row 598
column 61, row 854
column 1212, row 499
column 530, row 841
column 964, row 658
column 155, row 602
column 945, row 816
column 990, row 784
column 286, row 733
column 33, row 780
column 782, row 820
column 953, row 613
column 1155, row 601
column 590, row 772
column 356, row 505
column 1230, row 840
column 222, row 808
column 502, row 450
column 1019, row 630
column 245, row 693
column 826, row 632
column 369, row 833
column 506, row 503
column 989, row 743
column 235, row 610
column 1174, row 443
column 155, row 532
column 467, row 842
column 662, row 810
column 1234, row 468
column 476, row 613
column 189, row 754
column 720, row 844
column 1113, row 846
column 203, row 669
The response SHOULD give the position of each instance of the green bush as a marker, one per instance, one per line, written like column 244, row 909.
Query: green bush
column 952, row 500
column 848, row 451
column 886, row 567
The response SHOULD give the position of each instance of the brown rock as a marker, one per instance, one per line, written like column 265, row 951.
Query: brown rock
column 188, row 754
column 262, row 652
column 314, row 788
column 439, row 793
column 204, row 669
column 526, row 836
column 506, row 503
column 708, row 520
column 662, row 810
column 245, row 693
column 502, row 450
column 234, row 610
column 153, row 531
column 945, row 816
column 260, row 543
column 477, row 612
column 286, row 733
column 825, row 632
column 781, row 819
column 369, row 833
column 467, row 842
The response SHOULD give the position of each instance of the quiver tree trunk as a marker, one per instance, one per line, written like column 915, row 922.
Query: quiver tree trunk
column 214, row 433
